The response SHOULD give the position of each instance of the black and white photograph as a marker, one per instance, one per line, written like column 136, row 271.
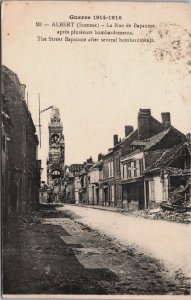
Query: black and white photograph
column 96, row 149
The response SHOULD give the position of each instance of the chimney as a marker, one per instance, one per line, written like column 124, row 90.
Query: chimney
column 22, row 90
column 166, row 119
column 89, row 160
column 100, row 156
column 115, row 139
column 144, row 123
column 128, row 130
column 188, row 137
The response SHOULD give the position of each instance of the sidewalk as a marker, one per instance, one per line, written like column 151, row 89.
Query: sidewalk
column 146, row 214
column 109, row 208
column 37, row 261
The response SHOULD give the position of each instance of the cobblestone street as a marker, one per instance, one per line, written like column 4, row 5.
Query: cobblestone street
column 54, row 253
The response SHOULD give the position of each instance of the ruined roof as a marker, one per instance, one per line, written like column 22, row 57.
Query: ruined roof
column 167, row 156
column 140, row 142
column 110, row 151
column 129, row 136
column 96, row 164
column 121, row 142
column 155, row 139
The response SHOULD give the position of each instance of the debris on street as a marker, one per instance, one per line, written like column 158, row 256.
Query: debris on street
column 62, row 255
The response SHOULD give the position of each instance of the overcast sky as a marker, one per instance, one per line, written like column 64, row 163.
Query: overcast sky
column 99, row 88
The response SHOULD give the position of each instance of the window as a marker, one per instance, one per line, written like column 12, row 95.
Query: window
column 55, row 138
column 111, row 168
column 134, row 169
column 106, row 170
column 164, row 191
column 141, row 166
column 131, row 169
column 128, row 173
column 117, row 164
column 124, row 171
column 152, row 191
column 55, row 174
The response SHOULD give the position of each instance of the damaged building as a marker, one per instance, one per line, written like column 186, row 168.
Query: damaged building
column 167, row 179
column 140, row 171
column 153, row 139
column 20, row 167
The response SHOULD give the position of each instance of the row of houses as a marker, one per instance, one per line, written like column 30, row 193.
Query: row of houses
column 139, row 172
column 20, row 176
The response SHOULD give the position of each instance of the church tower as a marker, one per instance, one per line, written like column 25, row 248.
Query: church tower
column 55, row 162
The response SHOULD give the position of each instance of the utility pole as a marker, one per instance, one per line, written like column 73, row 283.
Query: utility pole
column 39, row 119
column 27, row 99
column 39, row 123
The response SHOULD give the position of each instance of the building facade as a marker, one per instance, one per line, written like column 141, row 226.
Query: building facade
column 153, row 138
column 125, row 177
column 93, row 187
column 21, row 168
column 108, row 182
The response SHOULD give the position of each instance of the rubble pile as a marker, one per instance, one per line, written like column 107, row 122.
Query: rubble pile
column 174, row 216
column 33, row 217
column 167, row 215
column 178, row 208
column 179, row 198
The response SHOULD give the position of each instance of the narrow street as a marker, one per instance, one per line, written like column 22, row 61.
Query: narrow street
column 140, row 233
column 58, row 251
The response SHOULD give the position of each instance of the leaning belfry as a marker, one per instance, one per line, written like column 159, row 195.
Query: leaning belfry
column 56, row 154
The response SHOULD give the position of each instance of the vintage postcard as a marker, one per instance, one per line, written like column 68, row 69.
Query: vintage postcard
column 96, row 149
